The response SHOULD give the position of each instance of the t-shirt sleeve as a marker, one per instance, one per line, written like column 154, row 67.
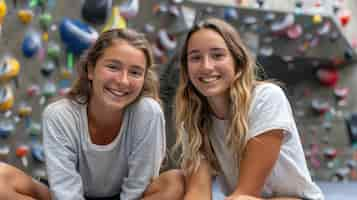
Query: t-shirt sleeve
column 148, row 151
column 270, row 110
column 61, row 156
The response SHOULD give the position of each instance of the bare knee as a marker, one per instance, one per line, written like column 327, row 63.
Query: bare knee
column 7, row 173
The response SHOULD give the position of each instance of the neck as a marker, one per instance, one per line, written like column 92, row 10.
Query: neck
column 103, row 116
column 220, row 106
column 103, row 124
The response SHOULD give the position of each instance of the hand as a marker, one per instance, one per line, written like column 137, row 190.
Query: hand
column 241, row 197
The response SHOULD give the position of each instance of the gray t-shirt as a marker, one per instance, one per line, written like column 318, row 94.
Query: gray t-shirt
column 76, row 167
column 269, row 110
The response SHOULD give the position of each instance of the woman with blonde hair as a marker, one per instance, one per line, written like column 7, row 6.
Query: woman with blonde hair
column 238, row 134
column 106, row 139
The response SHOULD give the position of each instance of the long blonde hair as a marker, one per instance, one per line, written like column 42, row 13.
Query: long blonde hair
column 81, row 89
column 192, row 114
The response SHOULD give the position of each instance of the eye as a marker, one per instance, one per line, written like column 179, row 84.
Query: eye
column 136, row 73
column 218, row 55
column 194, row 58
column 112, row 66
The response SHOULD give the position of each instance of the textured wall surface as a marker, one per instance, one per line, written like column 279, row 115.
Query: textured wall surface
column 311, row 127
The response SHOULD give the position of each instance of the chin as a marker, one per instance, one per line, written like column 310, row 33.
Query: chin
column 213, row 93
column 208, row 93
column 117, row 105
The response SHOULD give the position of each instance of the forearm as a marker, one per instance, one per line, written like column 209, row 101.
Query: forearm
column 198, row 184
column 65, row 181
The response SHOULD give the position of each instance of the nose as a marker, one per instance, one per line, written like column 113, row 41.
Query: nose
column 207, row 63
column 122, row 78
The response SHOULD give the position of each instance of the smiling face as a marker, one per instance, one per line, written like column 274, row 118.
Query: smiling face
column 210, row 64
column 118, row 76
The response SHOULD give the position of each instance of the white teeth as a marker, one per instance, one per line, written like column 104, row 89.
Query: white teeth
column 209, row 79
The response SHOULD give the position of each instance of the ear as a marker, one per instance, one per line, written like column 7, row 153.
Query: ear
column 90, row 72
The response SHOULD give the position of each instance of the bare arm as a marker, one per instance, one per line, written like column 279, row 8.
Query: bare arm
column 198, row 184
column 258, row 160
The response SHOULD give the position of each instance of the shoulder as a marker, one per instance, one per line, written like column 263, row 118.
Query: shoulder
column 146, row 107
column 60, row 121
column 270, row 109
column 268, row 96
column 268, row 93
column 62, row 107
column 268, row 90
column 145, row 120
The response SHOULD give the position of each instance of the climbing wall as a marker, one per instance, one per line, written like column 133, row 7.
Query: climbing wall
column 308, row 58
column 40, row 77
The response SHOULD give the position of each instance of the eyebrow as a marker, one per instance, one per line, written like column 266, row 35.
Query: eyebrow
column 115, row 61
column 218, row 49
column 193, row 51
column 138, row 67
column 212, row 49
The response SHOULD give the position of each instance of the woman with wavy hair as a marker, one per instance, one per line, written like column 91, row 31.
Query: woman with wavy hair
column 106, row 139
column 238, row 134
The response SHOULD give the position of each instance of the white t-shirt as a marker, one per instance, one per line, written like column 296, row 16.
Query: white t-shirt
column 270, row 109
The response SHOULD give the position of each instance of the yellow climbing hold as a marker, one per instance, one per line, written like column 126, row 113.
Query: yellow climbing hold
column 10, row 68
column 45, row 36
column 317, row 19
column 6, row 99
column 3, row 10
column 115, row 20
column 25, row 16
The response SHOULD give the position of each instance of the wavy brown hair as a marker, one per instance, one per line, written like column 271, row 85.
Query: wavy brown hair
column 81, row 90
column 192, row 114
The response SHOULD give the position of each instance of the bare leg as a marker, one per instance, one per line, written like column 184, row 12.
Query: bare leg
column 16, row 185
column 168, row 186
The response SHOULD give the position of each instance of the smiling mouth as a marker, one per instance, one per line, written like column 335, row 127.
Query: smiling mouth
column 210, row 79
column 116, row 93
